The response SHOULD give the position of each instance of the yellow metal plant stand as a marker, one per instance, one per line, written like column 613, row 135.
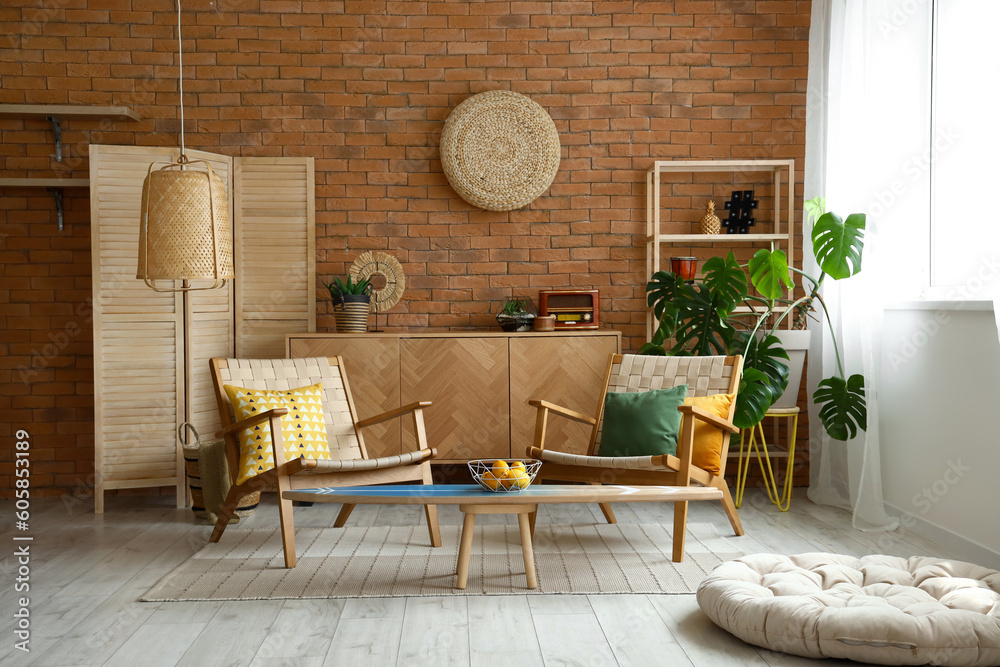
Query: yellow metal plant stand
column 784, row 500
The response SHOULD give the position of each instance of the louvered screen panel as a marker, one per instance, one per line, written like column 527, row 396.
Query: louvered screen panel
column 275, row 243
column 208, row 329
column 138, row 333
column 139, row 400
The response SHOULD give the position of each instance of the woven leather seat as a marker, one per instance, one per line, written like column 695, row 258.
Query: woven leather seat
column 350, row 464
column 634, row 373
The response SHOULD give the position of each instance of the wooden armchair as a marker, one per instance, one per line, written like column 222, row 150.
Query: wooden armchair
column 351, row 465
column 634, row 373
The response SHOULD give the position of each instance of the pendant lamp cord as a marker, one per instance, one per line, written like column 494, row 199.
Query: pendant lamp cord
column 180, row 76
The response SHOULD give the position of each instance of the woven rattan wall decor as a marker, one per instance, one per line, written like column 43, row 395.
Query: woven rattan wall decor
column 500, row 150
column 371, row 264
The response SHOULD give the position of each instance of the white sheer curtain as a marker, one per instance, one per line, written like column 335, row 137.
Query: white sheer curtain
column 865, row 110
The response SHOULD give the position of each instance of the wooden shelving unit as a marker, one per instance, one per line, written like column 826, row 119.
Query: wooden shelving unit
column 55, row 113
column 782, row 221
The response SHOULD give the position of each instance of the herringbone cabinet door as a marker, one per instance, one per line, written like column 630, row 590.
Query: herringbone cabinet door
column 466, row 378
column 566, row 370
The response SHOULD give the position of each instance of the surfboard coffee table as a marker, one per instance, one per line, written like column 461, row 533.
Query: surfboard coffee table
column 472, row 500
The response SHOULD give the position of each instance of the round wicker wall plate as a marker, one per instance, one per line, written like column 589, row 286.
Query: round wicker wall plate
column 369, row 264
column 500, row 150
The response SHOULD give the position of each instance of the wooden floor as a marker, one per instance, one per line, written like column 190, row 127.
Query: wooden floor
column 88, row 571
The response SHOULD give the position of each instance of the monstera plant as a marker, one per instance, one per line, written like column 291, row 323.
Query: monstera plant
column 701, row 317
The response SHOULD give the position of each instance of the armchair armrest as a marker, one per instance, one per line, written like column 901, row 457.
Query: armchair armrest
column 392, row 414
column 250, row 421
column 416, row 410
column 542, row 419
column 565, row 412
column 708, row 417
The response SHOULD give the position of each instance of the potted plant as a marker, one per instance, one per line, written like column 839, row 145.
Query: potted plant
column 514, row 314
column 351, row 303
column 701, row 318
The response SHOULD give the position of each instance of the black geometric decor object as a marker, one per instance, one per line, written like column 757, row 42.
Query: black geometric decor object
column 741, row 205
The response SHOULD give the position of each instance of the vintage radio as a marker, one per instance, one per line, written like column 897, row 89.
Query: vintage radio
column 573, row 309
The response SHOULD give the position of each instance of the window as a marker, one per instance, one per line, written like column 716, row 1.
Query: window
column 965, row 142
column 930, row 117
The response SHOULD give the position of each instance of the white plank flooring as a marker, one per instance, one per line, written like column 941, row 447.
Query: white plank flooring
column 87, row 573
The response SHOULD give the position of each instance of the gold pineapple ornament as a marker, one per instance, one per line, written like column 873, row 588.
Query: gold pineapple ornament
column 711, row 224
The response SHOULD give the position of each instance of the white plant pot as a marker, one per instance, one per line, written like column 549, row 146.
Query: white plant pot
column 796, row 343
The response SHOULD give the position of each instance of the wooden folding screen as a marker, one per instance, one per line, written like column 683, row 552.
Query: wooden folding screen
column 151, row 349
column 275, row 253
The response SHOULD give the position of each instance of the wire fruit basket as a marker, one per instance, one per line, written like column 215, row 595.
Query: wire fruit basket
column 504, row 475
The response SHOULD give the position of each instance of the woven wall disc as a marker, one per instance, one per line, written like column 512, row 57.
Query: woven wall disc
column 500, row 150
column 369, row 264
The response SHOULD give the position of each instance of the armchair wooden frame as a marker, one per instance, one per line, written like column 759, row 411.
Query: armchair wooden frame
column 705, row 375
column 352, row 468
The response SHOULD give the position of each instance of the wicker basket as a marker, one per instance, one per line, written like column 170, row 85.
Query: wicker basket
column 500, row 150
column 351, row 314
column 208, row 478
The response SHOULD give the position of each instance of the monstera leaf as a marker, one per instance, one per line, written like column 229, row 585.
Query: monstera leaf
column 815, row 207
column 761, row 366
column 696, row 315
column 702, row 322
column 769, row 273
column 726, row 279
column 764, row 353
column 838, row 244
column 754, row 398
column 843, row 409
column 662, row 290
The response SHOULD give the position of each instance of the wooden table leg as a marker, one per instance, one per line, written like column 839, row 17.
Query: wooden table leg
column 465, row 549
column 526, row 550
column 523, row 511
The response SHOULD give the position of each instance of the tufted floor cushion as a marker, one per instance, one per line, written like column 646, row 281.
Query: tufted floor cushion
column 877, row 609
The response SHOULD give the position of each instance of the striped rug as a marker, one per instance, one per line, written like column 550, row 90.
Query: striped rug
column 390, row 561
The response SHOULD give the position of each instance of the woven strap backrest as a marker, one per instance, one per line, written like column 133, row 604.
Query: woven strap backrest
column 638, row 373
column 283, row 374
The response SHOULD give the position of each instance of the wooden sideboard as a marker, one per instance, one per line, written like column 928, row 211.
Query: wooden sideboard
column 480, row 383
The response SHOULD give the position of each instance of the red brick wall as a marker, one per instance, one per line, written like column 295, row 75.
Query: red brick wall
column 364, row 87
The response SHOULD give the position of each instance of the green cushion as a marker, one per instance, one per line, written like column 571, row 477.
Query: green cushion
column 642, row 424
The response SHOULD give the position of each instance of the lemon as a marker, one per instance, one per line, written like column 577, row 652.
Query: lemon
column 518, row 466
column 490, row 480
column 499, row 468
column 521, row 477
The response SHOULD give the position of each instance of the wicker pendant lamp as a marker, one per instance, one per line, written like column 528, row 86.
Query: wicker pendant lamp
column 184, row 230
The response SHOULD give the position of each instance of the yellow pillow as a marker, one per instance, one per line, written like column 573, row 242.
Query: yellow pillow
column 303, row 429
column 707, row 451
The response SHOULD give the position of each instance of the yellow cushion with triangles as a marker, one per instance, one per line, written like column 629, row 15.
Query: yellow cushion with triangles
column 303, row 429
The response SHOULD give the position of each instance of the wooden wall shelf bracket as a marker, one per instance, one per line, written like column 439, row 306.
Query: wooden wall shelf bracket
column 53, row 185
column 57, row 195
column 54, row 113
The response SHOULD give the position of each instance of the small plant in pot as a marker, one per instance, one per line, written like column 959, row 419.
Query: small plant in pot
column 699, row 318
column 515, row 314
column 351, row 303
